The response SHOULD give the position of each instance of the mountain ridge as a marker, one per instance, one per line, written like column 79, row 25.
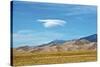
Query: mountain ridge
column 84, row 43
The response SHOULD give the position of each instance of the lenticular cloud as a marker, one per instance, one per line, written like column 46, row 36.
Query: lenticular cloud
column 52, row 22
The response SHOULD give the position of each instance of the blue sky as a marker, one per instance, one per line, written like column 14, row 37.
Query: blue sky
column 37, row 23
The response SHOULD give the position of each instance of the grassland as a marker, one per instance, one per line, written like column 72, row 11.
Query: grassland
column 20, row 59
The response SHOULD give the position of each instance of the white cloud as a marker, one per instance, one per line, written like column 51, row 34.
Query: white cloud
column 52, row 22
column 25, row 31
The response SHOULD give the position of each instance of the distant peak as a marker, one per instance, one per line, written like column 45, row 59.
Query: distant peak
column 57, row 41
column 92, row 38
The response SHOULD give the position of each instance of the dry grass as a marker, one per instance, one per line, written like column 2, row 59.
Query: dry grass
column 20, row 59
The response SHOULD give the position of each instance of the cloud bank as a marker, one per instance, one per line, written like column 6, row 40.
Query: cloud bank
column 34, row 38
column 48, row 23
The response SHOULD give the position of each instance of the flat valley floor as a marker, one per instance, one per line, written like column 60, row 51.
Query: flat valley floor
column 22, row 59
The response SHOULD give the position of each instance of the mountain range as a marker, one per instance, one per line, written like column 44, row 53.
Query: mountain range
column 84, row 43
